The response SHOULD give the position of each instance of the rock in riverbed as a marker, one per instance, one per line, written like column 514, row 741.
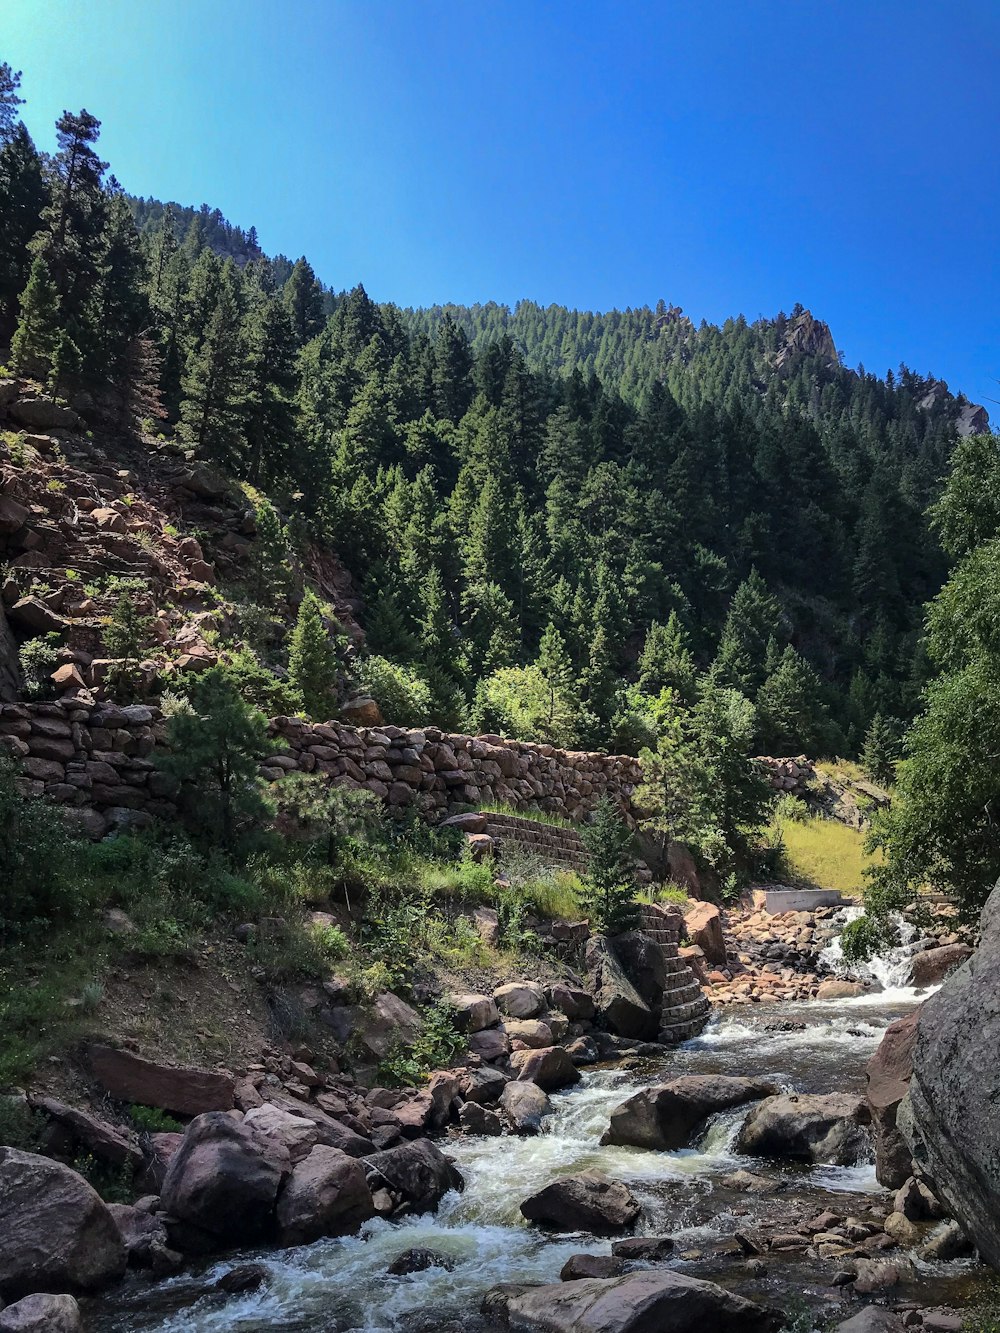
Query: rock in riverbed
column 585, row 1202
column 636, row 1303
column 830, row 1129
column 55, row 1230
column 664, row 1116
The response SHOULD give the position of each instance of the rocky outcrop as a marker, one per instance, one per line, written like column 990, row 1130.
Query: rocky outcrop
column 636, row 1303
column 830, row 1129
column 888, row 1072
column 56, row 1233
column 181, row 1089
column 620, row 1007
column 664, row 1117
column 949, row 1118
column 703, row 922
column 585, row 1202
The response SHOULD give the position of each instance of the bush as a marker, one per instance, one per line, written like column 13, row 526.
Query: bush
column 38, row 658
column 214, row 752
column 151, row 1120
column 436, row 1046
column 402, row 694
column 36, row 855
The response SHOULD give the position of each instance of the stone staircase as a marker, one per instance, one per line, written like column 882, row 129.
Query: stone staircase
column 686, row 1009
column 552, row 843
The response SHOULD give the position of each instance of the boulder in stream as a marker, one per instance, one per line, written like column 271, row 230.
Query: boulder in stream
column 620, row 1007
column 222, row 1184
column 417, row 1172
column 550, row 1068
column 42, row 1314
column 668, row 1302
column 327, row 1194
column 664, row 1116
column 584, row 1202
column 930, row 967
column 807, row 1127
column 524, row 1104
column 949, row 1117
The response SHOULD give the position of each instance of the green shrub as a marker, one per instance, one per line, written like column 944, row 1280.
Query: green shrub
column 436, row 1046
column 36, row 862
column 20, row 1125
column 610, row 889
column 151, row 1120
column 403, row 696
column 38, row 658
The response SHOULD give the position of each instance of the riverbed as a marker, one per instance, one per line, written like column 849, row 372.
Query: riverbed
column 341, row 1286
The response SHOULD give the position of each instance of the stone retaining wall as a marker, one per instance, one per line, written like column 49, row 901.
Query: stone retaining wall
column 553, row 844
column 97, row 761
column 686, row 1009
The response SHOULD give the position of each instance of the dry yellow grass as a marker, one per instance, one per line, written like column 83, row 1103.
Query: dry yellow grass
column 825, row 853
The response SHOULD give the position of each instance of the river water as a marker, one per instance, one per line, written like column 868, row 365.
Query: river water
column 341, row 1286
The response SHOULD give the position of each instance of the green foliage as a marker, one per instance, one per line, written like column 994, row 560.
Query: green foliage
column 36, row 854
column 215, row 747
column 294, row 951
column 38, row 333
column 314, row 659
column 402, row 694
column 124, row 637
column 880, row 751
column 609, row 887
column 261, row 687
column 865, row 937
column 436, row 1046
column 311, row 809
column 38, row 658
column 151, row 1120
column 20, row 1126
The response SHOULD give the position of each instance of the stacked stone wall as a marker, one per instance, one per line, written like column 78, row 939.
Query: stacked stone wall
column 98, row 762
column 686, row 1009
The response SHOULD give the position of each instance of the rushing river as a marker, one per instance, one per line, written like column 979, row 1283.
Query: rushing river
column 341, row 1286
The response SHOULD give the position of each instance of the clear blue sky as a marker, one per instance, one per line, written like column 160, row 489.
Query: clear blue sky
column 728, row 155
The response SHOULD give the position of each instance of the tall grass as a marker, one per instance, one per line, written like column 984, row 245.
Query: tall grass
column 825, row 853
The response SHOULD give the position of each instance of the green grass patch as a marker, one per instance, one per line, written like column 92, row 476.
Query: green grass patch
column 825, row 853
column 537, row 816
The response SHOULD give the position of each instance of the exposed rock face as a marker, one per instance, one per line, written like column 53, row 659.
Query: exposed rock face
column 56, row 1233
column 620, row 1007
column 664, row 1117
column 106, row 1142
column 932, row 966
column 223, row 1181
column 637, row 1303
column 585, row 1202
column 42, row 1314
column 889, row 1072
column 827, row 1129
column 145, row 1239
column 186, row 1091
column 327, row 1194
column 704, row 928
column 949, row 1118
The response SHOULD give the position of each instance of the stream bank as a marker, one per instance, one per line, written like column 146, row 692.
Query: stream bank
column 716, row 1205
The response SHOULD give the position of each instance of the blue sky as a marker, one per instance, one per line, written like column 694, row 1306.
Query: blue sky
column 728, row 155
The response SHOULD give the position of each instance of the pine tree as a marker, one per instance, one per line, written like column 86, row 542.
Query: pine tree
column 302, row 298
column 67, row 363
column 212, row 406
column 10, row 83
column 610, row 889
column 314, row 659
column 754, row 619
column 269, row 400
column 39, row 327
column 556, row 668
column 452, row 375
column 666, row 660
column 880, row 751
column 793, row 715
column 23, row 195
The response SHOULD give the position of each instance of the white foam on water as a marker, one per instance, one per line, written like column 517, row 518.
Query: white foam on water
column 888, row 971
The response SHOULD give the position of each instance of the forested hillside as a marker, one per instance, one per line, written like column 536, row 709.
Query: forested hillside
column 553, row 515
